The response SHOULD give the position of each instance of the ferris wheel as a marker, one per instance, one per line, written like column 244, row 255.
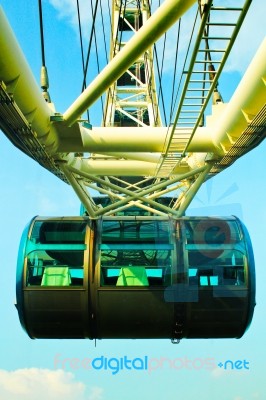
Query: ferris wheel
column 132, row 264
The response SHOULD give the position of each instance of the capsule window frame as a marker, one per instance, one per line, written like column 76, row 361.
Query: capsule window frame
column 157, row 250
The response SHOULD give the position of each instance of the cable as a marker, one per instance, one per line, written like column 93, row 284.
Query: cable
column 183, row 70
column 160, row 84
column 97, row 54
column 41, row 33
column 160, row 96
column 81, row 41
column 82, row 51
column 104, row 35
column 108, row 94
column 44, row 73
column 175, row 68
column 90, row 41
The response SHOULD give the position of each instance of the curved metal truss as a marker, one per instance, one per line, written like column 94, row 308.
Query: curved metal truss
column 134, row 159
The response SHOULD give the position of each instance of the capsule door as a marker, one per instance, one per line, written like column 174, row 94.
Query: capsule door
column 220, row 271
column 133, row 266
column 53, row 290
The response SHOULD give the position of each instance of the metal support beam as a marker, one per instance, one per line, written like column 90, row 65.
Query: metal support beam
column 129, row 139
column 189, row 195
column 131, row 196
column 140, row 195
column 79, row 190
column 165, row 16
column 115, row 210
column 246, row 102
column 190, row 70
column 146, row 157
column 106, row 166
column 21, row 84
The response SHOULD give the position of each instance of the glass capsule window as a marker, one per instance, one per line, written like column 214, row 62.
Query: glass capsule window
column 58, row 232
column 226, row 269
column 55, row 254
column 212, row 232
column 135, row 253
column 46, row 270
column 213, row 248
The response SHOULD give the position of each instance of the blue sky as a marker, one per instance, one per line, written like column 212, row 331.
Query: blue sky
column 40, row 369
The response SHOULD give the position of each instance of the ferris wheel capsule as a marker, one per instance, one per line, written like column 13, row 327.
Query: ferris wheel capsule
column 135, row 277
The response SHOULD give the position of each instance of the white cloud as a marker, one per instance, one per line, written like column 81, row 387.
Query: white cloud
column 44, row 198
column 45, row 204
column 96, row 393
column 256, row 395
column 41, row 384
column 67, row 9
column 219, row 372
column 249, row 39
column 251, row 33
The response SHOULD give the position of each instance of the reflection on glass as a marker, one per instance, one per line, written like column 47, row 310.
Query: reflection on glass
column 44, row 269
column 136, row 253
column 226, row 269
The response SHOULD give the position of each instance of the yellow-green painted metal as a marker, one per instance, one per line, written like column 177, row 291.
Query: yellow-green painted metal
column 20, row 82
column 146, row 155
column 166, row 15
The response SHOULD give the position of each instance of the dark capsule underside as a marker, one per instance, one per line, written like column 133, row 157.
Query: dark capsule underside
column 135, row 277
